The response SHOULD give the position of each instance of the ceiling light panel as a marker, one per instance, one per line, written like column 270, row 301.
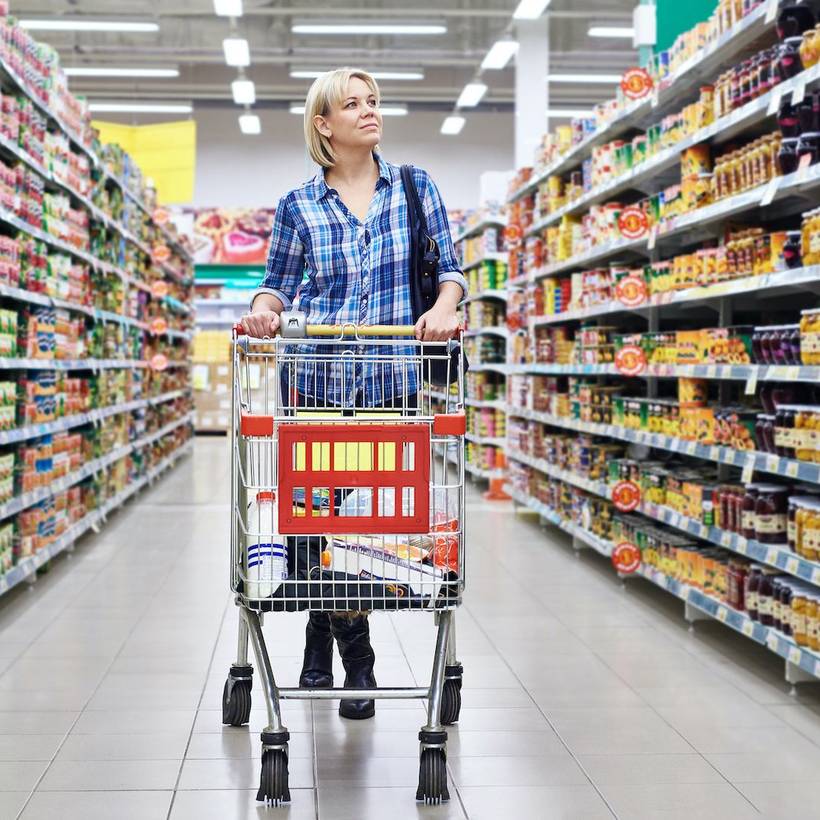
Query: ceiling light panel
column 79, row 24
column 250, row 124
column 612, row 31
column 237, row 52
column 500, row 54
column 591, row 79
column 244, row 92
column 307, row 74
column 530, row 9
column 228, row 8
column 368, row 28
column 471, row 95
column 452, row 125
column 104, row 71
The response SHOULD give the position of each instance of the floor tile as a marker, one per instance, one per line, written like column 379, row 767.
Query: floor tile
column 157, row 746
column 682, row 801
column 133, row 721
column 236, row 743
column 553, row 770
column 74, row 805
column 641, row 769
column 239, row 773
column 364, row 803
column 12, row 802
column 29, row 746
column 535, row 803
column 111, row 775
column 23, row 775
column 784, row 801
column 239, row 804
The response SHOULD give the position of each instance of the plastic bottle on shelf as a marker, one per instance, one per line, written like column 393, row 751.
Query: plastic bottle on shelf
column 267, row 553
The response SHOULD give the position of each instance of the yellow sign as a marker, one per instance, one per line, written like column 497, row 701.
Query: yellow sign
column 165, row 153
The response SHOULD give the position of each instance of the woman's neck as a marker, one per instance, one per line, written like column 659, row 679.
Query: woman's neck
column 352, row 167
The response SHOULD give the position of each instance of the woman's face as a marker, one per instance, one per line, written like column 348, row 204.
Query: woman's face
column 355, row 121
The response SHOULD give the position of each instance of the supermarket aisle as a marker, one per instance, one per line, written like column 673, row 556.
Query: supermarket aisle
column 581, row 699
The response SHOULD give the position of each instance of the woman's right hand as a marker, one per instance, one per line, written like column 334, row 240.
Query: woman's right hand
column 260, row 324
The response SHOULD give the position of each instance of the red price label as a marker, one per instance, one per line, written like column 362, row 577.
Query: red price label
column 159, row 325
column 626, row 496
column 161, row 216
column 159, row 289
column 159, row 361
column 632, row 223
column 630, row 360
column 631, row 290
column 626, row 558
column 513, row 234
column 636, row 83
column 161, row 253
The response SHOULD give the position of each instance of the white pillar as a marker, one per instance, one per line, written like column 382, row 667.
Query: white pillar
column 531, row 88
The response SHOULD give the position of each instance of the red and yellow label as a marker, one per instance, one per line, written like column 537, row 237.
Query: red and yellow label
column 632, row 223
column 159, row 289
column 626, row 496
column 636, row 83
column 161, row 253
column 630, row 360
column 159, row 325
column 631, row 290
column 159, row 361
column 626, row 558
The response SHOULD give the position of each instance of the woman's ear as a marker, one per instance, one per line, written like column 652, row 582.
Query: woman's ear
column 320, row 124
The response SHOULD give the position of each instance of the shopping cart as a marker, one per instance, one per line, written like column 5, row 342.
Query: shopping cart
column 351, row 508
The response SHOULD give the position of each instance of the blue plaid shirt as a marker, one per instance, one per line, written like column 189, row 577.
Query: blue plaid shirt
column 342, row 270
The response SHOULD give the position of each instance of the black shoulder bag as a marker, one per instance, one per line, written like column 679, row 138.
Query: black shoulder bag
column 424, row 257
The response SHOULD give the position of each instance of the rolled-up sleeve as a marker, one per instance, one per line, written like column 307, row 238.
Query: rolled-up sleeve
column 439, row 229
column 286, row 258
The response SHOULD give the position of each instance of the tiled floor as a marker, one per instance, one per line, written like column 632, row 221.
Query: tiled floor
column 582, row 698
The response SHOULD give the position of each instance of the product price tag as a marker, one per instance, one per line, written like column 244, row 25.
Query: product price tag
column 817, row 669
column 711, row 371
column 748, row 470
column 792, row 373
column 792, row 468
column 769, row 191
column 653, row 238
column 751, row 383
column 722, row 614
column 803, row 167
column 771, row 641
column 774, row 100
column 714, row 453
column 794, row 655
column 792, row 565
column 726, row 539
column 799, row 92
column 748, row 628
column 771, row 556
column 772, row 463
column 815, row 576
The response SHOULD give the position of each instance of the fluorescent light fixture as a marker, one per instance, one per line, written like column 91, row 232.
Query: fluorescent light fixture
column 80, row 24
column 604, row 79
column 386, row 110
column 140, row 108
column 102, row 71
column 250, row 124
column 367, row 28
column 244, row 92
column 228, row 8
column 305, row 74
column 569, row 113
column 530, row 9
column 500, row 54
column 627, row 33
column 237, row 52
column 471, row 95
column 452, row 125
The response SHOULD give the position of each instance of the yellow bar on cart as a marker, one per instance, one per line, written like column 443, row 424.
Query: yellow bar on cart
column 363, row 330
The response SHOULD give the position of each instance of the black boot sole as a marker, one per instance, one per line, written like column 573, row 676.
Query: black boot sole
column 326, row 684
column 358, row 714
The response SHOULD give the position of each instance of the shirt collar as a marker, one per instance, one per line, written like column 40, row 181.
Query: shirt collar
column 386, row 177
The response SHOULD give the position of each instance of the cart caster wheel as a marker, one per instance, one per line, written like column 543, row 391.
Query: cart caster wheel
column 433, row 777
column 273, row 784
column 450, row 702
column 236, row 702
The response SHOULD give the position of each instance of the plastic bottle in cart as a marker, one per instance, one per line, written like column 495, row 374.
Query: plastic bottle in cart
column 267, row 554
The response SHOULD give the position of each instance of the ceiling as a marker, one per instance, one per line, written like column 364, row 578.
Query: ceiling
column 190, row 39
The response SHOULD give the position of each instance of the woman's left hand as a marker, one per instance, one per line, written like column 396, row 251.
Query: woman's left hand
column 439, row 324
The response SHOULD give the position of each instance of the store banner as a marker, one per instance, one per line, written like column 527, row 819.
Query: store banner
column 165, row 152
column 231, row 236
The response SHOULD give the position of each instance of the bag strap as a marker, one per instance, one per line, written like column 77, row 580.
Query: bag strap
column 412, row 195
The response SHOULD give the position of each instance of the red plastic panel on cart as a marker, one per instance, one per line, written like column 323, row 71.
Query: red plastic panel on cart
column 388, row 466
column 251, row 425
column 450, row 424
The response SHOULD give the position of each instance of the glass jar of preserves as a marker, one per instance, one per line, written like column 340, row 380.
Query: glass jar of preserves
column 752, row 590
column 765, row 596
column 771, row 514
column 799, row 624
column 748, row 511
column 789, row 63
column 787, row 156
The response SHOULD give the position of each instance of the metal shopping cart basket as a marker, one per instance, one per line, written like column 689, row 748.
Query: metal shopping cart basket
column 341, row 506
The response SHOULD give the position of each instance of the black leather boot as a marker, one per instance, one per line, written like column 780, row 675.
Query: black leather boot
column 317, row 667
column 353, row 636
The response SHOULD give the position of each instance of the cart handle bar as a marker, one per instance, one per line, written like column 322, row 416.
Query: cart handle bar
column 350, row 330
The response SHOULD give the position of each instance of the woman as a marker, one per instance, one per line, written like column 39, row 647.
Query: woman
column 341, row 244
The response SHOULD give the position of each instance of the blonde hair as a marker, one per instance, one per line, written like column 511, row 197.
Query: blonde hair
column 327, row 90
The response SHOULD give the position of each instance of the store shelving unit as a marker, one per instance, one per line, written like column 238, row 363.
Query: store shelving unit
column 155, row 294
column 718, row 304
